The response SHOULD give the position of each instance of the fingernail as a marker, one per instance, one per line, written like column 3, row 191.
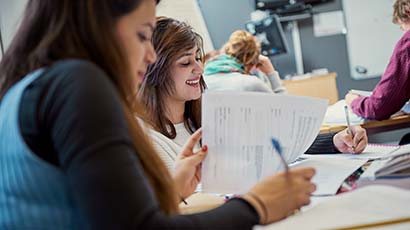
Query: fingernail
column 205, row 148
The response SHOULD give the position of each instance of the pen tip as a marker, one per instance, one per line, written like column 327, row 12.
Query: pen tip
column 276, row 145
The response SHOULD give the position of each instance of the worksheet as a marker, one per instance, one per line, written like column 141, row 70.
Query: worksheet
column 238, row 128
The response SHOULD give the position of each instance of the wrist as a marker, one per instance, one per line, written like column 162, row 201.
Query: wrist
column 258, row 205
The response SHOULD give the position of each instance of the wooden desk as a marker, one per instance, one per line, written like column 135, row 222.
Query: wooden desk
column 373, row 127
column 201, row 202
column 323, row 86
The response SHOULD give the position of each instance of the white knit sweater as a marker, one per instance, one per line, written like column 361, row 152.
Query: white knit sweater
column 168, row 149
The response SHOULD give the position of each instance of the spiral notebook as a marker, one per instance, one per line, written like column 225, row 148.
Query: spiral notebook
column 374, row 151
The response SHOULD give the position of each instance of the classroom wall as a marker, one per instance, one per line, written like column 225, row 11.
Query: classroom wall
column 10, row 15
column 324, row 52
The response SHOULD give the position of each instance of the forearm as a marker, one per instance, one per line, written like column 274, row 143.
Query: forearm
column 276, row 83
column 323, row 144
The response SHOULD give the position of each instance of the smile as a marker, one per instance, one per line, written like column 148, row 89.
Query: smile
column 192, row 82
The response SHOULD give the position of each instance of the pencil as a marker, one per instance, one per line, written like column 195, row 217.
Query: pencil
column 349, row 127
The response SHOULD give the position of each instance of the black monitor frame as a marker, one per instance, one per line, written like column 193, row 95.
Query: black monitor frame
column 270, row 33
column 284, row 7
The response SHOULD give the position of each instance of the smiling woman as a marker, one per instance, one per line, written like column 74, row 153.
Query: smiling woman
column 172, row 88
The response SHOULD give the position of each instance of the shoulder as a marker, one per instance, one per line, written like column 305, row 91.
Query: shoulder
column 403, row 45
column 76, row 71
column 77, row 79
column 235, row 81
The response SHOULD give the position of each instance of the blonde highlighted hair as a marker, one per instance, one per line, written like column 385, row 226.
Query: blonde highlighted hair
column 401, row 11
column 243, row 46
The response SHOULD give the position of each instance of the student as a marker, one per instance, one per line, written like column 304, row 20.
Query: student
column 231, row 70
column 393, row 90
column 72, row 155
column 171, row 92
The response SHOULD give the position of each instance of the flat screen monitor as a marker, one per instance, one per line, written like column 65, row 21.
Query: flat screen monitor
column 270, row 33
column 275, row 4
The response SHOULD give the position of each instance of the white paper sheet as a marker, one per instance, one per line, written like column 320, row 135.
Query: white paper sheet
column 335, row 115
column 330, row 172
column 372, row 151
column 329, row 23
column 370, row 204
column 238, row 127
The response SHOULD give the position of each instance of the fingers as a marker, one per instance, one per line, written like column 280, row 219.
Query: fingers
column 187, row 150
column 360, row 138
column 307, row 172
column 347, row 138
column 198, row 157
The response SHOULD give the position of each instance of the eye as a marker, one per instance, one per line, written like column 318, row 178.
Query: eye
column 142, row 37
column 186, row 63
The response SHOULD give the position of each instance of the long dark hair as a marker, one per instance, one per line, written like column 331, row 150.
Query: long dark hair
column 170, row 38
column 53, row 30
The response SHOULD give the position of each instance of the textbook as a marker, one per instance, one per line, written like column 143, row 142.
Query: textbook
column 238, row 128
column 397, row 166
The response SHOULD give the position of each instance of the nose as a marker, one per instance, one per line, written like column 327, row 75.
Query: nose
column 199, row 68
column 151, row 55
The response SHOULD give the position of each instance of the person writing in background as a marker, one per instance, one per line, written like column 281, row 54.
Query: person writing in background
column 72, row 155
column 171, row 92
column 393, row 90
column 231, row 69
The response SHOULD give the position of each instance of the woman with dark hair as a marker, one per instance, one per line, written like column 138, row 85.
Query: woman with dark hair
column 171, row 92
column 72, row 155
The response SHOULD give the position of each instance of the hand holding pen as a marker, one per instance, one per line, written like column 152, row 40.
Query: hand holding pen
column 276, row 145
column 288, row 190
column 351, row 140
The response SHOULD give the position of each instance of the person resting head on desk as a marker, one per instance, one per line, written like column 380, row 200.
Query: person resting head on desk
column 393, row 90
column 241, row 67
column 171, row 92
column 71, row 151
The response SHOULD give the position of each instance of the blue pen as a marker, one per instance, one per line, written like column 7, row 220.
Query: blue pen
column 278, row 148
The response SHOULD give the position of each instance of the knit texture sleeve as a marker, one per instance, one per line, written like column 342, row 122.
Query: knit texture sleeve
column 276, row 83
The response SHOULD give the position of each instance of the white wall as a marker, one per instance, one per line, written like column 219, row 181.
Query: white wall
column 10, row 15
column 187, row 11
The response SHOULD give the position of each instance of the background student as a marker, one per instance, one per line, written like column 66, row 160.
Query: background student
column 393, row 90
column 231, row 69
column 72, row 155
column 171, row 92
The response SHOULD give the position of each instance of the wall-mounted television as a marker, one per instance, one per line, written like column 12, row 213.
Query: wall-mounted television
column 270, row 34
column 277, row 4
